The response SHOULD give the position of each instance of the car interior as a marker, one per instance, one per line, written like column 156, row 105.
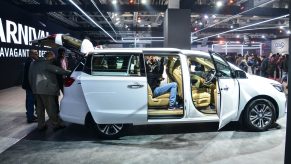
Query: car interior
column 158, row 106
column 204, row 93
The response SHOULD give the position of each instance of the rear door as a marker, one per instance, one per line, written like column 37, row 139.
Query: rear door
column 228, row 91
column 115, row 87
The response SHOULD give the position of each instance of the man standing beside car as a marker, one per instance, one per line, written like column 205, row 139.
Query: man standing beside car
column 44, row 84
column 30, row 100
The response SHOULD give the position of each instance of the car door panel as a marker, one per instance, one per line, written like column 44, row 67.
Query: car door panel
column 228, row 91
column 116, row 99
column 115, row 93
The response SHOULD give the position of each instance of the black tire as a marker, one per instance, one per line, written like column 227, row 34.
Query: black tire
column 260, row 115
column 110, row 131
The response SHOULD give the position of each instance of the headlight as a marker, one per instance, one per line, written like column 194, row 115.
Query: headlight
column 279, row 87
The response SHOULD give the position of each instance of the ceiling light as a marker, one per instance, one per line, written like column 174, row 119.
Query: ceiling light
column 149, row 26
column 288, row 32
column 143, row 1
column 237, row 36
column 114, row 2
column 231, row 26
column 138, row 20
column 89, row 18
column 117, row 19
column 219, row 3
column 281, row 27
column 243, row 27
column 131, row 1
column 206, row 16
column 196, row 22
column 116, row 14
column 125, row 26
column 218, row 36
column 281, row 31
column 213, row 16
column 263, row 36
column 200, row 23
column 116, row 23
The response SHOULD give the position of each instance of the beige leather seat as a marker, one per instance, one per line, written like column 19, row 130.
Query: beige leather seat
column 201, row 98
column 177, row 74
column 162, row 100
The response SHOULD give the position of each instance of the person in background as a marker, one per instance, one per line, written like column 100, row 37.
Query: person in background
column 257, row 65
column 251, row 63
column 62, row 62
column 243, row 65
column 264, row 66
column 285, row 68
column 238, row 59
column 272, row 66
column 30, row 101
column 44, row 84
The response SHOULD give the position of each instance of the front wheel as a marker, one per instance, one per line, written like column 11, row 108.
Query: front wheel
column 110, row 131
column 260, row 114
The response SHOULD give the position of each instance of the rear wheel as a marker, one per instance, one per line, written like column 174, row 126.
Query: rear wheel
column 260, row 114
column 110, row 131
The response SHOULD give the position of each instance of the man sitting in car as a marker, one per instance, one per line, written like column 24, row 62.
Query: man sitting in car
column 155, row 70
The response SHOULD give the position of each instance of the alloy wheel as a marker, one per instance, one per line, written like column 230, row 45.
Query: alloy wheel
column 261, row 115
column 110, row 129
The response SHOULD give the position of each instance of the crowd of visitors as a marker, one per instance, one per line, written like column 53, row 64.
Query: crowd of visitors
column 273, row 66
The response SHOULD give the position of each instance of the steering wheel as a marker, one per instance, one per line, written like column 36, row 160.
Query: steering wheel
column 209, row 76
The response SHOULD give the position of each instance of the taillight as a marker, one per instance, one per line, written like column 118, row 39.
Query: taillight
column 68, row 81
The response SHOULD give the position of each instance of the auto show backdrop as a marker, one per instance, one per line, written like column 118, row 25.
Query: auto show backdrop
column 280, row 46
column 17, row 28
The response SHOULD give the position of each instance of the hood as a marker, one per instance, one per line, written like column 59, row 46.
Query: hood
column 256, row 78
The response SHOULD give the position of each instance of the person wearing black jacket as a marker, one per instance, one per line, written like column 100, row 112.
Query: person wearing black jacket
column 30, row 100
column 155, row 70
column 264, row 66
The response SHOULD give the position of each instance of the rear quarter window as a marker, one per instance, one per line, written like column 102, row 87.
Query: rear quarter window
column 116, row 65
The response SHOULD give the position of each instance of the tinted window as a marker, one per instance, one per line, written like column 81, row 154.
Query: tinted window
column 116, row 65
column 222, row 67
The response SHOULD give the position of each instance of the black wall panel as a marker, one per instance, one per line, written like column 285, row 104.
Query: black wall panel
column 11, row 65
column 177, row 28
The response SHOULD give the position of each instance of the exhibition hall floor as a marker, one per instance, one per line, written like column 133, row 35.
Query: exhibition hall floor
column 184, row 143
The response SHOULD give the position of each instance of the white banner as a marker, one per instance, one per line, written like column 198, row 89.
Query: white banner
column 280, row 46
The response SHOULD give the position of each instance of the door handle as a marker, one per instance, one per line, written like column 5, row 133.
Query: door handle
column 225, row 88
column 135, row 86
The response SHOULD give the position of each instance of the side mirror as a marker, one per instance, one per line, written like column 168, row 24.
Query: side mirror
column 240, row 74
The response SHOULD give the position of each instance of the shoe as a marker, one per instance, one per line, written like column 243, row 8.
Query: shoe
column 58, row 127
column 171, row 108
column 42, row 128
column 32, row 120
column 212, row 106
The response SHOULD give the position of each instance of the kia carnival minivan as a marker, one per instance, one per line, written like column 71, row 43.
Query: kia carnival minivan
column 109, row 89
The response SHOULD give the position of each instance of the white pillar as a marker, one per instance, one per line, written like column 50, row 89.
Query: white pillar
column 225, row 48
column 174, row 4
column 261, row 49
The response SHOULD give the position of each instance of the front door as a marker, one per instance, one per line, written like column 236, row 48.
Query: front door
column 228, row 91
column 115, row 88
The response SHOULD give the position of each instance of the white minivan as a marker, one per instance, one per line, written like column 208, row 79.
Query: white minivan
column 109, row 89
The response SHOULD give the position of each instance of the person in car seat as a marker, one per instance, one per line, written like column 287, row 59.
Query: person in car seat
column 155, row 69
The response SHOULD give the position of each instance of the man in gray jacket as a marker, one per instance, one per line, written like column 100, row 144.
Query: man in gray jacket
column 44, row 84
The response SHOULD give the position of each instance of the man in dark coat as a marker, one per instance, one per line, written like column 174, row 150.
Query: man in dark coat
column 44, row 84
column 30, row 100
column 264, row 66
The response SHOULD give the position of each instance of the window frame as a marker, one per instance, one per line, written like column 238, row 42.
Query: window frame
column 130, row 54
